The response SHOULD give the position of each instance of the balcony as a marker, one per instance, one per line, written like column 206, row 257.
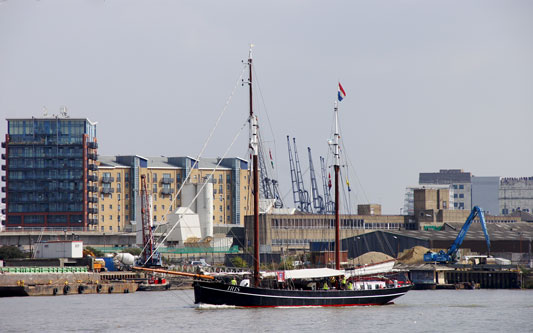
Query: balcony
column 92, row 188
column 92, row 156
column 4, row 211
column 3, row 144
column 4, row 200
column 4, row 167
column 92, row 210
column 92, row 167
column 92, row 178
column 3, row 156
column 107, row 179
column 4, row 178
column 92, row 221
column 92, row 199
column 167, row 180
column 92, row 145
column 167, row 190
column 108, row 190
column 4, row 189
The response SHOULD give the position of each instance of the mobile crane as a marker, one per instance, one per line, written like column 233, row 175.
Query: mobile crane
column 450, row 254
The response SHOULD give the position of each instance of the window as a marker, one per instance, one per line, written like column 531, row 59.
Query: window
column 110, row 217
column 455, row 195
column 102, row 208
column 102, row 228
column 118, row 177
column 155, row 208
column 461, row 195
column 118, row 219
column 110, row 206
column 102, row 218
column 119, row 189
column 163, row 207
column 154, row 188
column 127, row 196
column 118, row 198
column 461, row 187
column 110, row 228
column 119, row 208
column 154, row 178
column 155, row 218
column 228, row 208
column 102, row 196
column 127, row 207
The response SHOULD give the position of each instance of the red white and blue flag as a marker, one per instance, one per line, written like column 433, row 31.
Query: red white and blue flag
column 341, row 93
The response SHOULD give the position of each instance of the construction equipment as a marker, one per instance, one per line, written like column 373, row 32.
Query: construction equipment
column 450, row 254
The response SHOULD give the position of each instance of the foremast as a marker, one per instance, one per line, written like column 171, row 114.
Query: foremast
column 336, row 167
column 254, row 147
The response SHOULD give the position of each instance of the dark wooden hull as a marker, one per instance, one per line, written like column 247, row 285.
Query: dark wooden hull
column 217, row 293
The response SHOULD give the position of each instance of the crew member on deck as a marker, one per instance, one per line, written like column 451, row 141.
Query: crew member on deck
column 350, row 285
column 233, row 281
column 325, row 287
column 343, row 282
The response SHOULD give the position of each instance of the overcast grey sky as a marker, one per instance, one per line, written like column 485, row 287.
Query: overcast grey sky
column 430, row 84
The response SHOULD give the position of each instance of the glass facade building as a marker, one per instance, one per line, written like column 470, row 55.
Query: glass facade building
column 51, row 173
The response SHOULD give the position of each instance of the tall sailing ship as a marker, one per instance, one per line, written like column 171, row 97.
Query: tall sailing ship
column 305, row 287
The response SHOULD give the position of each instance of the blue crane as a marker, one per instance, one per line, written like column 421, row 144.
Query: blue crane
column 318, row 201
column 450, row 254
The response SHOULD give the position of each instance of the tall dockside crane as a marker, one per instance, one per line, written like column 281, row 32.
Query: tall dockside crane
column 329, row 205
column 318, row 201
column 299, row 194
column 269, row 187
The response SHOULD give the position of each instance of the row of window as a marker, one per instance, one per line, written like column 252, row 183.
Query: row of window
column 330, row 224
column 45, row 207
column 46, row 151
column 31, row 163
column 44, row 174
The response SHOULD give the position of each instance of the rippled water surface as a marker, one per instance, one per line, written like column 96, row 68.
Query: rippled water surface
column 172, row 311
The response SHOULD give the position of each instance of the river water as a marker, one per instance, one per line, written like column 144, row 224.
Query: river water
column 173, row 311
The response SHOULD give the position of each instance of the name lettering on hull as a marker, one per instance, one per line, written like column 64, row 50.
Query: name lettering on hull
column 234, row 288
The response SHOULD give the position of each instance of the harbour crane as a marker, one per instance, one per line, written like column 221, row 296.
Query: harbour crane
column 269, row 187
column 451, row 253
column 299, row 194
column 318, row 201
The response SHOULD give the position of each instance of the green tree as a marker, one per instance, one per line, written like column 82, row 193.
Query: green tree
column 97, row 253
column 132, row 250
column 239, row 262
column 11, row 252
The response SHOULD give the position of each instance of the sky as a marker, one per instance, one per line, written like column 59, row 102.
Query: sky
column 430, row 84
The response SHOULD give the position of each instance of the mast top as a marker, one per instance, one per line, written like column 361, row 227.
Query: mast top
column 250, row 51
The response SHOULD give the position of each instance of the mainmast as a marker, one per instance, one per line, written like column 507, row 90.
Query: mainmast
column 336, row 167
column 254, row 147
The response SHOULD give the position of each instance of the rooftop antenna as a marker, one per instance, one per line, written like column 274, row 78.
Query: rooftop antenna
column 45, row 111
column 63, row 112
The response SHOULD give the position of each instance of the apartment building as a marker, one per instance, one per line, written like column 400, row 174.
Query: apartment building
column 172, row 182
column 50, row 172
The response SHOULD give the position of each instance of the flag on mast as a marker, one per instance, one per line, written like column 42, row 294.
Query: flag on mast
column 341, row 93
